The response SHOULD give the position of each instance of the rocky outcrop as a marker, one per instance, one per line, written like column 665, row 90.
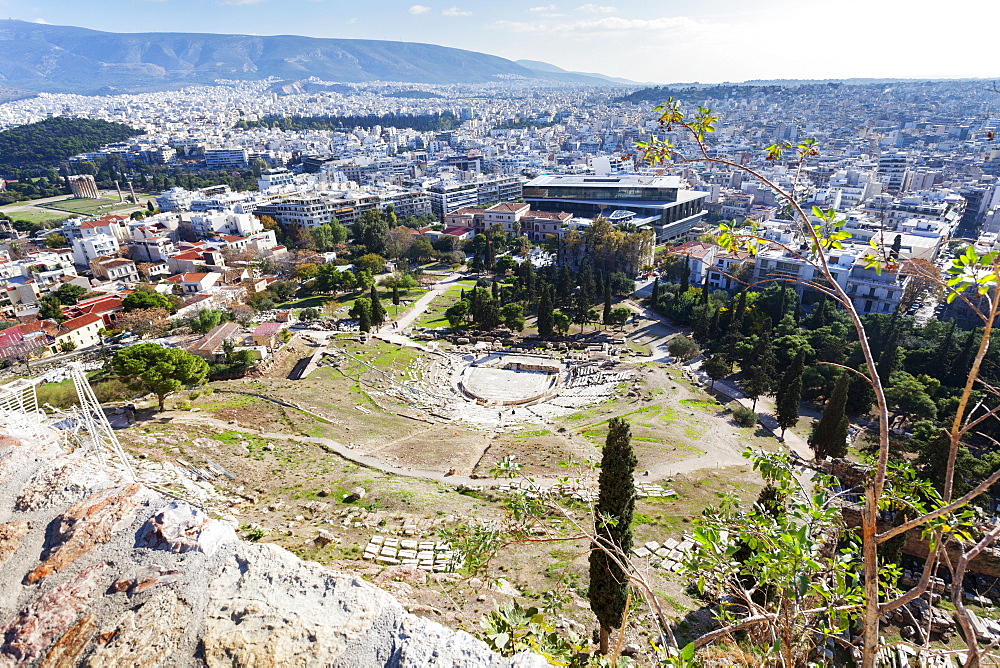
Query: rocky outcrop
column 97, row 571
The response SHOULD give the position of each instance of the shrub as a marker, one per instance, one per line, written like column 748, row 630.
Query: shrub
column 682, row 348
column 112, row 390
column 745, row 417
column 57, row 395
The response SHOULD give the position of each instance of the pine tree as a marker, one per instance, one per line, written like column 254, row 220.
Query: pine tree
column 608, row 589
column 378, row 311
column 790, row 393
column 545, row 309
column 829, row 436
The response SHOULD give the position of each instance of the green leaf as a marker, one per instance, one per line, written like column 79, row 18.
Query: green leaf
column 687, row 654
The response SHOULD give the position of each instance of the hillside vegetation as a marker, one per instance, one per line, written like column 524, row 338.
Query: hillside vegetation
column 419, row 122
column 55, row 139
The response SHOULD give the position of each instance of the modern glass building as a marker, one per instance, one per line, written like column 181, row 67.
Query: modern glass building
column 674, row 210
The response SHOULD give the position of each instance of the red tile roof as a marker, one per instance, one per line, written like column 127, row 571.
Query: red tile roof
column 267, row 329
column 76, row 323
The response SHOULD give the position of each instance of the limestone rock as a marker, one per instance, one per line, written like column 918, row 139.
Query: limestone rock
column 68, row 649
column 87, row 523
column 47, row 617
column 147, row 636
column 181, row 590
column 183, row 528
column 10, row 538
column 16, row 456
column 66, row 483
column 268, row 608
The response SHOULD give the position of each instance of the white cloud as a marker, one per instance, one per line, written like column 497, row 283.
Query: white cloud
column 419, row 9
column 351, row 22
column 609, row 26
column 43, row 21
column 455, row 11
column 546, row 11
column 239, row 2
column 591, row 8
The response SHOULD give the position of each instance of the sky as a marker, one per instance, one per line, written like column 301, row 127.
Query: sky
column 664, row 41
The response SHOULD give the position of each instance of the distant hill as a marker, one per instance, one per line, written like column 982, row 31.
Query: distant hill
column 40, row 57
column 573, row 77
column 55, row 139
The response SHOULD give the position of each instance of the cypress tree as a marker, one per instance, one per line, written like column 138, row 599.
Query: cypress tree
column 378, row 312
column 790, row 392
column 608, row 589
column 897, row 245
column 607, row 303
column 760, row 375
column 829, row 436
column 545, row 308
column 655, row 297
column 564, row 286
column 364, row 319
column 685, row 279
column 495, row 290
column 741, row 308
column 395, row 295
column 860, row 395
column 586, row 281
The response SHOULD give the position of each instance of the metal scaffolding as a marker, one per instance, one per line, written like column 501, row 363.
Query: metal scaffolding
column 93, row 431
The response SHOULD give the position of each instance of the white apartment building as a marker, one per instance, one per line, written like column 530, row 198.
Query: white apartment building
column 97, row 245
column 212, row 223
column 273, row 178
column 222, row 158
column 453, row 194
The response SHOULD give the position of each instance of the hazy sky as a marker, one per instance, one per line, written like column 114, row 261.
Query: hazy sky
column 662, row 41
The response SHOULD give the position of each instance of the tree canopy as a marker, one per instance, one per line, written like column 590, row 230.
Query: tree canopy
column 55, row 139
column 152, row 368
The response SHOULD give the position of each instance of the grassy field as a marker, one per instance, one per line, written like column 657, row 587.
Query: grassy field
column 434, row 315
column 35, row 215
column 90, row 207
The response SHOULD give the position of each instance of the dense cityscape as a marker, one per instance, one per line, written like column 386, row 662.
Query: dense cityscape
column 435, row 336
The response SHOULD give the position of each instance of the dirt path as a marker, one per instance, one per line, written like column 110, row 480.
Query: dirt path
column 663, row 331
column 183, row 417
column 392, row 332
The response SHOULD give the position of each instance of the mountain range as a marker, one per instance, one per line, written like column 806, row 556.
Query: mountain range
column 64, row 59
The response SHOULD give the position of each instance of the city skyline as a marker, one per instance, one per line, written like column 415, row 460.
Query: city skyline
column 647, row 42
